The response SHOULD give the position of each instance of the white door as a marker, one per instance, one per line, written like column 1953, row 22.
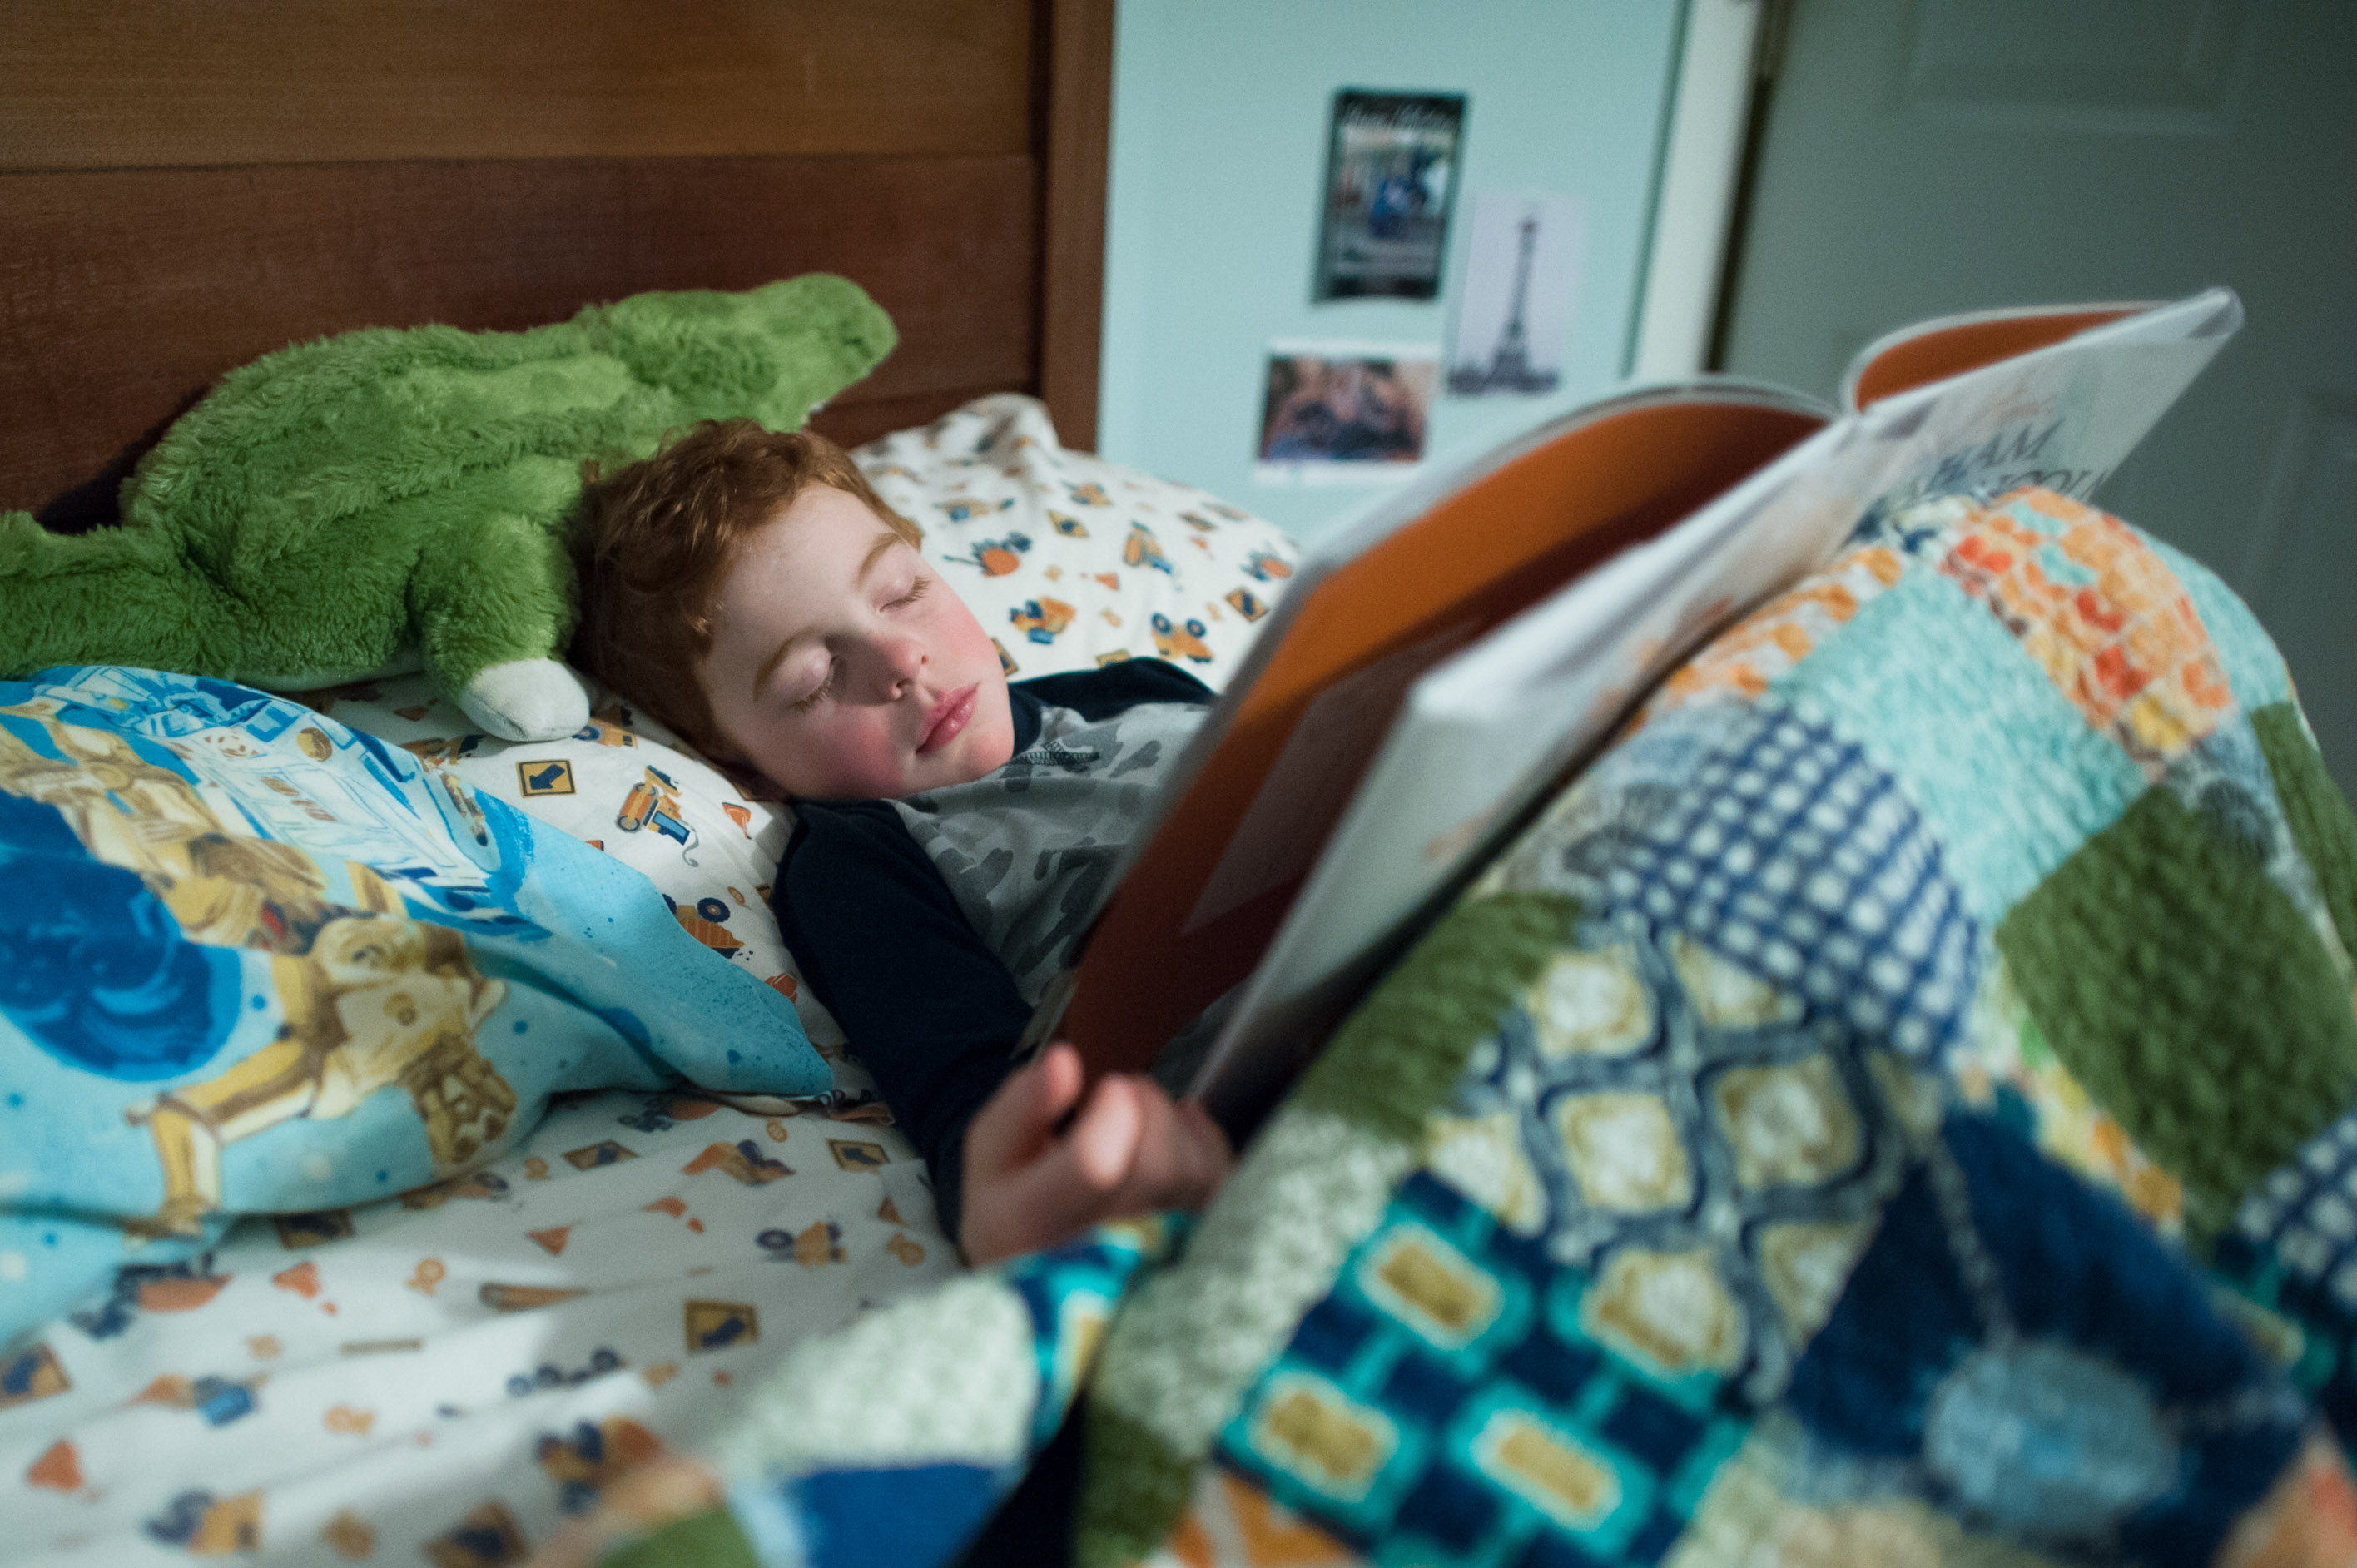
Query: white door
column 1922, row 157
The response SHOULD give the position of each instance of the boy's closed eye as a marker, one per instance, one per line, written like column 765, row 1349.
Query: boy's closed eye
column 827, row 688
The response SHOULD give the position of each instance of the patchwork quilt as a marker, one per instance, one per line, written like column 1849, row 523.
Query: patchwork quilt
column 253, row 961
column 1898, row 1107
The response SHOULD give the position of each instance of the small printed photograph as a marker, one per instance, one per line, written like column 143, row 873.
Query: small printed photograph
column 1333, row 412
column 1391, row 176
column 1521, row 279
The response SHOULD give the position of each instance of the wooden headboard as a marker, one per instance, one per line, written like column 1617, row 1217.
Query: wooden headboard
column 188, row 184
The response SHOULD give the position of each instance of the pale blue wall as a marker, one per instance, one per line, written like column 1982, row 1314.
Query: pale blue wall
column 1219, row 118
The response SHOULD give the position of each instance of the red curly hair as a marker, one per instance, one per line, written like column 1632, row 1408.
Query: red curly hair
column 658, row 536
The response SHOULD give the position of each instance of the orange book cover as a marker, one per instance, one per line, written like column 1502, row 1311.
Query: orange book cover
column 1935, row 351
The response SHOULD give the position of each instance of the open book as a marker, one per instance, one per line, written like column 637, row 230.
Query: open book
column 1438, row 665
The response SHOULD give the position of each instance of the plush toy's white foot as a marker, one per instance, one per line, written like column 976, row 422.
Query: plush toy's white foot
column 527, row 699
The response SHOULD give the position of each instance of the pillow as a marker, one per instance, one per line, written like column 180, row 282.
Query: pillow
column 1073, row 562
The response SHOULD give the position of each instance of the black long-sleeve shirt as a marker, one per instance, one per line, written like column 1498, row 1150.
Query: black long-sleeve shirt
column 930, row 1009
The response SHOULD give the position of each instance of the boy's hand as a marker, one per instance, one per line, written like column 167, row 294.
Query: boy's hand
column 1131, row 1149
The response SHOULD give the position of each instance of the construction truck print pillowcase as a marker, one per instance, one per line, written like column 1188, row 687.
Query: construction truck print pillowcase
column 1071, row 562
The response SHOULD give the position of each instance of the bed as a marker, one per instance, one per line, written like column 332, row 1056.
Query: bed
column 184, row 190
column 1898, row 1106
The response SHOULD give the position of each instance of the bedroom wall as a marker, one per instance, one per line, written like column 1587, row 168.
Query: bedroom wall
column 1220, row 110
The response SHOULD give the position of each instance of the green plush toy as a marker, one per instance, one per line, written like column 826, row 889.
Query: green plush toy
column 373, row 502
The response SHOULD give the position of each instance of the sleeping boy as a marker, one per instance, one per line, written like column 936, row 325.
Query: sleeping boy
column 751, row 590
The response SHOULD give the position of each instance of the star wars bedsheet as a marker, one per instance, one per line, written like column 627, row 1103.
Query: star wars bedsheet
column 253, row 961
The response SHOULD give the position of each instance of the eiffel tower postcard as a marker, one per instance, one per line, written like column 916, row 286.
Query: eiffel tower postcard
column 1521, row 282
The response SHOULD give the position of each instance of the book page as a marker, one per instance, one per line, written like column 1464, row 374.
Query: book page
column 1307, row 788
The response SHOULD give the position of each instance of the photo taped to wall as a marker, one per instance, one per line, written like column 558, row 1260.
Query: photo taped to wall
column 1390, row 179
column 1334, row 413
column 1514, row 303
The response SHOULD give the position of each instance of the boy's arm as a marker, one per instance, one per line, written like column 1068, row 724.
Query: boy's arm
column 936, row 1018
column 929, row 1008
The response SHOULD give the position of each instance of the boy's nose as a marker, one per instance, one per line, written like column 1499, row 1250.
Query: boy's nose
column 902, row 661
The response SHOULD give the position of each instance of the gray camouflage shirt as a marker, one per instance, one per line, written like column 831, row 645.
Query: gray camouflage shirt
column 1027, row 849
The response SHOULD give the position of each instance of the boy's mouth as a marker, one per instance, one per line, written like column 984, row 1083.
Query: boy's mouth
column 948, row 718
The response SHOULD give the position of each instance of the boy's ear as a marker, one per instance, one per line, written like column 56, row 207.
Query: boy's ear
column 750, row 782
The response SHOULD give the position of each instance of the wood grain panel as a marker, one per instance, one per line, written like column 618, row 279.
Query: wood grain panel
column 850, row 422
column 125, row 83
column 1077, row 133
column 123, row 294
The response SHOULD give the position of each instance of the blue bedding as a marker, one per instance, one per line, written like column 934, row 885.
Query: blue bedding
column 252, row 961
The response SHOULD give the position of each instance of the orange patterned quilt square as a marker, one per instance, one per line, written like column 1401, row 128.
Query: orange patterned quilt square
column 1780, row 633
column 2102, row 614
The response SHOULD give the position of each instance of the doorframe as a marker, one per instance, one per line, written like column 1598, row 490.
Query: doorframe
column 1712, row 119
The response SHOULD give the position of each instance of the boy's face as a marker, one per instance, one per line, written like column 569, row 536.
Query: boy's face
column 844, row 667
